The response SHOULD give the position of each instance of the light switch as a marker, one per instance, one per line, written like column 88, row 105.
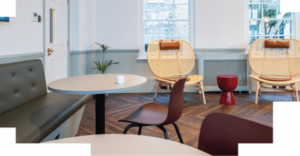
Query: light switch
column 34, row 16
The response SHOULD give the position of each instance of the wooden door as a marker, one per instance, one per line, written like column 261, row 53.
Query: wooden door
column 56, row 38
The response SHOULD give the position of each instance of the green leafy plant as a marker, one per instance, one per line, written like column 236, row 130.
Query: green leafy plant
column 102, row 66
column 270, row 11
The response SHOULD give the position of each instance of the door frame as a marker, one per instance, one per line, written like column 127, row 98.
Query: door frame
column 68, row 37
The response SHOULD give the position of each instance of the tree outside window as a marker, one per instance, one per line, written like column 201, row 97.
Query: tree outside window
column 266, row 20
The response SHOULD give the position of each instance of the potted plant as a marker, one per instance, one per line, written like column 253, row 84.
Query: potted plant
column 102, row 66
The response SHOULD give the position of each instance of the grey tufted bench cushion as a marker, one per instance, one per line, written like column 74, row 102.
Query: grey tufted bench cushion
column 26, row 105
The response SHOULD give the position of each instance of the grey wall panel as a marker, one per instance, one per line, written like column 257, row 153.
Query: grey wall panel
column 83, row 64
column 22, row 57
column 74, row 64
column 227, row 50
column 89, row 61
column 129, row 64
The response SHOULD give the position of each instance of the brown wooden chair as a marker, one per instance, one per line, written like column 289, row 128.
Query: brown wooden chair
column 221, row 133
column 152, row 114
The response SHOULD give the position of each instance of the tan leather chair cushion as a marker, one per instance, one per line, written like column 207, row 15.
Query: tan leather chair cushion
column 174, row 45
column 38, row 118
column 277, row 44
column 175, row 79
column 276, row 78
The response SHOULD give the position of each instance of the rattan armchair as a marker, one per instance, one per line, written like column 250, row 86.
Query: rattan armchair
column 173, row 64
column 276, row 62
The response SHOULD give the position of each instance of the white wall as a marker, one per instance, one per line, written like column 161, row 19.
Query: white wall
column 117, row 23
column 74, row 25
column 20, row 35
column 220, row 24
column 91, row 24
column 80, row 13
column 83, row 15
column 83, row 22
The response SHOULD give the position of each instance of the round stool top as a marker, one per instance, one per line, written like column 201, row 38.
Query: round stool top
column 227, row 76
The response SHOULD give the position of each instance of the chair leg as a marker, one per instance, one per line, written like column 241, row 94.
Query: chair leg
column 140, row 129
column 202, row 90
column 296, row 92
column 157, row 89
column 130, row 126
column 165, row 131
column 293, row 93
column 257, row 91
column 178, row 132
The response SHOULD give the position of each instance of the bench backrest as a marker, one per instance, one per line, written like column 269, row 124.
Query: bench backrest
column 21, row 82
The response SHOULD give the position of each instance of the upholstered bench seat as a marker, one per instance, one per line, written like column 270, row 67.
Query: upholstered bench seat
column 36, row 114
column 39, row 117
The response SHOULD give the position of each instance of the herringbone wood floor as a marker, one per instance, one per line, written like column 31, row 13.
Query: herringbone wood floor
column 119, row 106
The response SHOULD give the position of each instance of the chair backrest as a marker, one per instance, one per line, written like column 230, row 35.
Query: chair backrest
column 176, row 102
column 21, row 82
column 268, row 60
column 221, row 133
column 168, row 63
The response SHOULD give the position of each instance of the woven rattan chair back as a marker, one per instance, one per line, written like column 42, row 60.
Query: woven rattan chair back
column 170, row 63
column 275, row 61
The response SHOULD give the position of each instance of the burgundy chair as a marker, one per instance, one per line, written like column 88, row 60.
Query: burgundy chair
column 221, row 133
column 152, row 114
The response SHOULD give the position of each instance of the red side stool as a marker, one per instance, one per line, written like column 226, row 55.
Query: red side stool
column 227, row 83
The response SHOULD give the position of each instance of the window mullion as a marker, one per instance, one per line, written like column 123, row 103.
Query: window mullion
column 262, row 10
column 279, row 22
column 173, row 20
column 159, row 22
column 169, row 19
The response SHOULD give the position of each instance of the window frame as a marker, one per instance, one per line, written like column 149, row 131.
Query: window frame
column 293, row 19
column 142, row 53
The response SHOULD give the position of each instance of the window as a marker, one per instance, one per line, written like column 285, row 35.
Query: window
column 52, row 26
column 266, row 21
column 166, row 19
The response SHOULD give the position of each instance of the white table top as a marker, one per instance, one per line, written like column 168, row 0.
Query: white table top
column 95, row 84
column 127, row 144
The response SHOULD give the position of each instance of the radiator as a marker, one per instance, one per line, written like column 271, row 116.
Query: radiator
column 211, row 65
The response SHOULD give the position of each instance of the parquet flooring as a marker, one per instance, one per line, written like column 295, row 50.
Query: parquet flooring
column 119, row 106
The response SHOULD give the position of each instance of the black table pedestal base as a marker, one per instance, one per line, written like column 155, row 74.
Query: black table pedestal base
column 100, row 113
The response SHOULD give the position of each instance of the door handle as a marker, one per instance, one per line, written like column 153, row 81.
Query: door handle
column 49, row 50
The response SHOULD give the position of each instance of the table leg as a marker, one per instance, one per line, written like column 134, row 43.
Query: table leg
column 100, row 113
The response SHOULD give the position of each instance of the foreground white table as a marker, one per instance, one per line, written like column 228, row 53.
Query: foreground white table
column 126, row 144
column 99, row 85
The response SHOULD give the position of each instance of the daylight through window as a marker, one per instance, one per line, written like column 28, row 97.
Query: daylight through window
column 166, row 19
column 266, row 21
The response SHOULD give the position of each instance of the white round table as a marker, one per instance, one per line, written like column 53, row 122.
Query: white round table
column 126, row 144
column 99, row 85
